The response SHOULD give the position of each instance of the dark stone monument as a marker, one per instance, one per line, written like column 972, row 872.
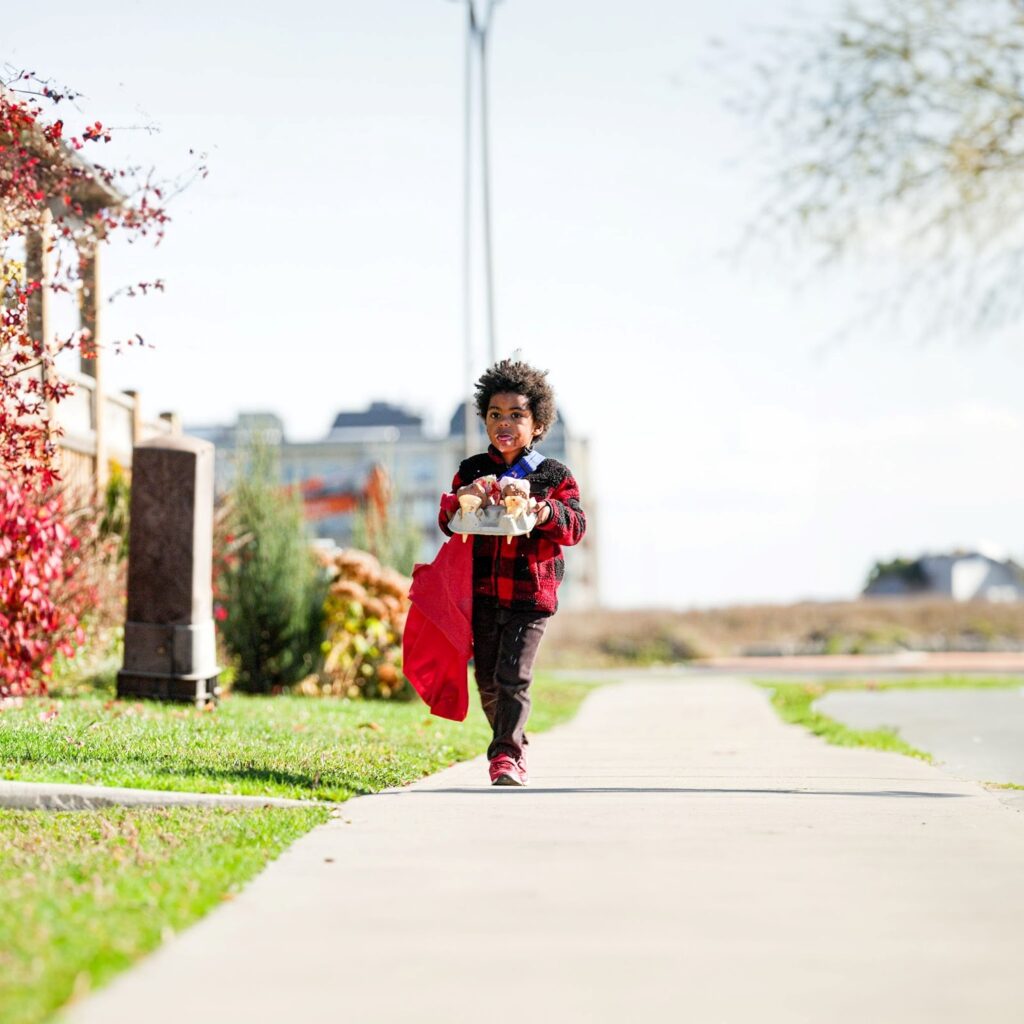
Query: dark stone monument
column 170, row 650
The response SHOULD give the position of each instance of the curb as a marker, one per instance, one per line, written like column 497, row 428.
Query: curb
column 55, row 796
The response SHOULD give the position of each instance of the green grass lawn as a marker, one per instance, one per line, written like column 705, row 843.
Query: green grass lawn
column 300, row 747
column 795, row 703
column 84, row 894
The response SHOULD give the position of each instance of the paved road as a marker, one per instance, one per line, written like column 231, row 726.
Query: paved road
column 976, row 734
column 903, row 663
column 682, row 856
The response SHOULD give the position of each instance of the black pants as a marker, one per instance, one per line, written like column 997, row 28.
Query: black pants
column 504, row 649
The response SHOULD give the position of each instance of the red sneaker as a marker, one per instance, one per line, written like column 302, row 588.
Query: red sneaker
column 523, row 774
column 505, row 771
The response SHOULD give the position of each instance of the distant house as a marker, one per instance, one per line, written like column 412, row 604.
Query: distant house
column 972, row 575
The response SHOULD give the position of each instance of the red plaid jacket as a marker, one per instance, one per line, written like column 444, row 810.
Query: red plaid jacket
column 525, row 574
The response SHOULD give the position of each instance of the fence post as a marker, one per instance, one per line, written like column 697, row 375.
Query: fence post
column 136, row 416
column 173, row 420
column 91, row 362
column 38, row 268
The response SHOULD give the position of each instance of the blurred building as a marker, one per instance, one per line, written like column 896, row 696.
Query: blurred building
column 972, row 575
column 385, row 450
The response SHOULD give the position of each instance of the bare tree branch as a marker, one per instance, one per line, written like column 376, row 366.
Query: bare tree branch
column 898, row 129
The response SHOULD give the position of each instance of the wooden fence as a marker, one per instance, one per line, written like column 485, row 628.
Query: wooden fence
column 99, row 431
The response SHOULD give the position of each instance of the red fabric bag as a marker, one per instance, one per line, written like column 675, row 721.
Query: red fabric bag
column 438, row 639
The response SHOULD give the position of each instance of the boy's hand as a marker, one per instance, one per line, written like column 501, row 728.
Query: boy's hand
column 541, row 509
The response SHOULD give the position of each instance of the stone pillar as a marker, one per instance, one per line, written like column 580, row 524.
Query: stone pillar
column 169, row 642
column 91, row 361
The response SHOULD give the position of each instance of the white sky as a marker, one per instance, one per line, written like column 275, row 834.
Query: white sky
column 737, row 455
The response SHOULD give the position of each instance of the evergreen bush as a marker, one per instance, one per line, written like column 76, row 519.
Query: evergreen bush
column 270, row 589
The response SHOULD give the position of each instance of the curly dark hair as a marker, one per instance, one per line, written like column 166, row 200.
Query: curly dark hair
column 520, row 379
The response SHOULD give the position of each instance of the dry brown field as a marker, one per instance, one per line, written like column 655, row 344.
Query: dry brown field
column 607, row 637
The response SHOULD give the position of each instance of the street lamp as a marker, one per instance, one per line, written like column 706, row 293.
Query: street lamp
column 477, row 33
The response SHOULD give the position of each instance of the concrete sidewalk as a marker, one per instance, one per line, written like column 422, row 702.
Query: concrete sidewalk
column 681, row 856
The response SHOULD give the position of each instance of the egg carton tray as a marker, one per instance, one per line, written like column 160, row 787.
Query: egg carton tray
column 492, row 521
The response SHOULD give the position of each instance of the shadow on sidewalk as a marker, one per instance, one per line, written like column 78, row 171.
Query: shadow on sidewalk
column 670, row 789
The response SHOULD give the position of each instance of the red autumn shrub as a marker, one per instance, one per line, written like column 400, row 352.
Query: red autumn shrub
column 38, row 560
column 56, row 209
column 49, row 192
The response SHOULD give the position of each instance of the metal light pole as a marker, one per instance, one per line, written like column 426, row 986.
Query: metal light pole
column 485, row 174
column 477, row 29
column 469, row 421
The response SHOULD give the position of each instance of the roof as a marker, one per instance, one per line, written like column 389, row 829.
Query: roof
column 379, row 414
column 991, row 553
column 88, row 189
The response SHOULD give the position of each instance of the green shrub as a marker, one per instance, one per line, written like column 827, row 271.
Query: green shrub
column 271, row 593
column 113, row 512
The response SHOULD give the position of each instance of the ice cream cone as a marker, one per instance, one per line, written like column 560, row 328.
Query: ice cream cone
column 468, row 503
column 515, row 504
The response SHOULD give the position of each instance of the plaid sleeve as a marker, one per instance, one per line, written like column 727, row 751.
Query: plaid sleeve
column 568, row 521
column 449, row 503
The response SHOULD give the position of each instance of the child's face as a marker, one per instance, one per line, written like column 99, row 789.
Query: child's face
column 510, row 426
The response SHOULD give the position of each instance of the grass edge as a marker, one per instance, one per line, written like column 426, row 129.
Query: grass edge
column 794, row 704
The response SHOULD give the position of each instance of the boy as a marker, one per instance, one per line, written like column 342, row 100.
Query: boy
column 515, row 585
